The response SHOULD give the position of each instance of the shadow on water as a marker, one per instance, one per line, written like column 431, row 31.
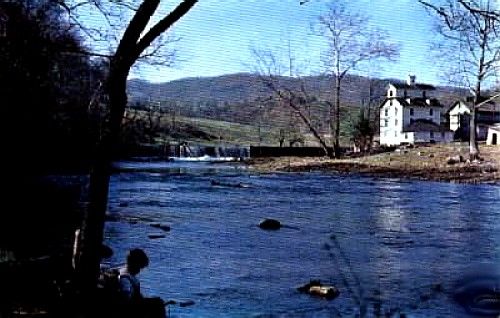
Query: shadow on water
column 478, row 291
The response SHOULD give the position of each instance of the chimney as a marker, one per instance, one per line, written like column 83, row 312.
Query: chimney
column 411, row 80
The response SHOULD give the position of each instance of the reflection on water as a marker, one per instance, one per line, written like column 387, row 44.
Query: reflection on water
column 391, row 247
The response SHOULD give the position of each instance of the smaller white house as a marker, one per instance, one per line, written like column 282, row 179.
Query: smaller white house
column 410, row 115
column 459, row 118
column 493, row 135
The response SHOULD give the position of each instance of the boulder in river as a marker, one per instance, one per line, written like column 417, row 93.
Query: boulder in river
column 156, row 236
column 315, row 288
column 164, row 227
column 270, row 224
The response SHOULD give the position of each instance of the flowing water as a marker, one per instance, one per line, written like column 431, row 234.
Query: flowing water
column 391, row 247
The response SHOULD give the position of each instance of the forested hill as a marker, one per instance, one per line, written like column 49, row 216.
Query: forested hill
column 246, row 87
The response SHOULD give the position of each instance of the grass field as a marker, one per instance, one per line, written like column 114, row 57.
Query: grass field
column 209, row 131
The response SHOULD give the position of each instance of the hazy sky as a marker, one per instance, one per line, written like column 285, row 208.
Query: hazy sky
column 217, row 37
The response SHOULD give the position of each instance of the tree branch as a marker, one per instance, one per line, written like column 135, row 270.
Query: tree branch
column 163, row 25
column 136, row 26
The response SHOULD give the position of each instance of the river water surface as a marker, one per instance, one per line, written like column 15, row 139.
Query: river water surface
column 390, row 246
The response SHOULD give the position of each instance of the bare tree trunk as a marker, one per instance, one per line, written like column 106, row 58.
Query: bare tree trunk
column 93, row 224
column 336, row 144
column 473, row 146
column 131, row 46
column 316, row 134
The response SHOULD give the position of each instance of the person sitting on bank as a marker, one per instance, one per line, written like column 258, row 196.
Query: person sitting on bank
column 136, row 304
column 130, row 286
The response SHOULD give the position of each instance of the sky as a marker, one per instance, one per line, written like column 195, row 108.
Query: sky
column 217, row 37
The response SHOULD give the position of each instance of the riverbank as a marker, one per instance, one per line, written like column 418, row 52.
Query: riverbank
column 422, row 162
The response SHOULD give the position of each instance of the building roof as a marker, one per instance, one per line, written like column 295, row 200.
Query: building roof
column 404, row 85
column 414, row 102
column 489, row 107
column 421, row 125
column 495, row 127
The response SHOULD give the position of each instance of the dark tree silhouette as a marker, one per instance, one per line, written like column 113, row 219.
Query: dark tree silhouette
column 135, row 41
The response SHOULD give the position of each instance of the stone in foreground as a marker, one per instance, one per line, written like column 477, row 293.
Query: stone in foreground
column 270, row 225
column 315, row 288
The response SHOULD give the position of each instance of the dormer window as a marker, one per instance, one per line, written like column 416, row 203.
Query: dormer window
column 391, row 93
column 431, row 112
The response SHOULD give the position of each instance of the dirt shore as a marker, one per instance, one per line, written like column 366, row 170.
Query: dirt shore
column 422, row 162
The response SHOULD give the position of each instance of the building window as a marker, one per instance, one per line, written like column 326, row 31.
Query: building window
column 412, row 120
column 431, row 112
column 390, row 102
column 432, row 134
column 395, row 134
column 412, row 112
column 396, row 122
column 396, row 110
column 387, row 111
column 390, row 93
column 386, row 122
column 442, row 134
column 406, row 135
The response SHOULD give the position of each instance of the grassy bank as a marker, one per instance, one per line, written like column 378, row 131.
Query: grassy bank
column 422, row 162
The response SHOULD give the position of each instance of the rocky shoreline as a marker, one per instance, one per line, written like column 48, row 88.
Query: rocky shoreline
column 423, row 163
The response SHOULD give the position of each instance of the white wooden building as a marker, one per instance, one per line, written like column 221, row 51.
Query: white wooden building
column 459, row 116
column 409, row 114
column 493, row 135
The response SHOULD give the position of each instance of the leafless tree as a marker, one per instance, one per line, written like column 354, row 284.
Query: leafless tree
column 469, row 31
column 272, row 72
column 351, row 43
column 134, row 43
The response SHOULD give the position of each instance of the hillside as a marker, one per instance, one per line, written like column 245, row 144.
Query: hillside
column 235, row 99
column 246, row 87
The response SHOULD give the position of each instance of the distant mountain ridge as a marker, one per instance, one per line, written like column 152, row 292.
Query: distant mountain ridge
column 246, row 87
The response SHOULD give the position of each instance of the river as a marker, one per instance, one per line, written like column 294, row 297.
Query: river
column 390, row 246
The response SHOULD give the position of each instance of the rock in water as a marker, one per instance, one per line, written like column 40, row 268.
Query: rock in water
column 164, row 227
column 328, row 292
column 186, row 303
column 160, row 226
column 315, row 288
column 270, row 224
